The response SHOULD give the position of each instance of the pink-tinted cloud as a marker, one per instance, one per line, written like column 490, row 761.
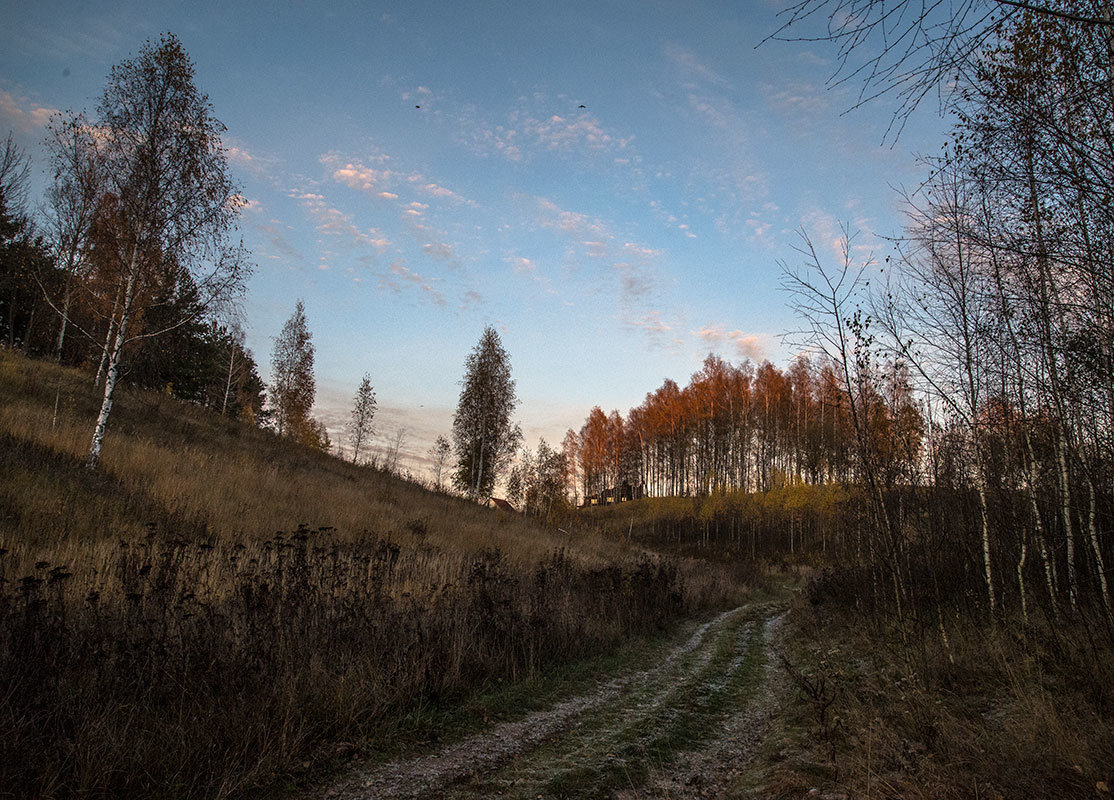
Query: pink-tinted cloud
column 333, row 222
column 747, row 345
column 640, row 251
column 831, row 234
column 21, row 114
column 359, row 176
column 436, row 190
column 525, row 132
column 652, row 322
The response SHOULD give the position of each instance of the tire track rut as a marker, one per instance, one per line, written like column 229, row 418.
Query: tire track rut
column 601, row 740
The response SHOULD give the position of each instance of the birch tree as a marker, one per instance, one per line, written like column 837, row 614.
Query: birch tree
column 363, row 412
column 484, row 436
column 439, row 454
column 175, row 205
column 293, row 386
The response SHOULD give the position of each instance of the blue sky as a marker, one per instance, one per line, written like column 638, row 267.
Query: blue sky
column 612, row 245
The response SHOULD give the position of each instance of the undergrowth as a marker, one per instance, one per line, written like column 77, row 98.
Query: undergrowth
column 1002, row 711
column 203, row 668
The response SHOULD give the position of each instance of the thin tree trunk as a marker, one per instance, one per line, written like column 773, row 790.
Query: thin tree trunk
column 108, row 339
column 62, row 325
column 228, row 380
column 1097, row 550
column 114, row 364
column 985, row 520
column 1065, row 510
column 67, row 294
column 27, row 331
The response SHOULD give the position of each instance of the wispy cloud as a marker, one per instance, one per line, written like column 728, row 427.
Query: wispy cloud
column 591, row 230
column 385, row 182
column 523, row 265
column 435, row 190
column 362, row 177
column 747, row 345
column 633, row 264
column 398, row 275
column 658, row 331
column 253, row 163
column 651, row 321
column 670, row 219
column 543, row 124
column 527, row 269
column 636, row 284
column 829, row 233
column 334, row 222
column 440, row 250
column 567, row 133
column 280, row 249
column 688, row 67
column 757, row 229
column 806, row 101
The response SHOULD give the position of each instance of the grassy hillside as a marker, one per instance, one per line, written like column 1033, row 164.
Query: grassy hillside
column 170, row 462
column 216, row 608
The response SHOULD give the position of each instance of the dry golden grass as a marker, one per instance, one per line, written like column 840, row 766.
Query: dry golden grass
column 215, row 606
column 236, row 482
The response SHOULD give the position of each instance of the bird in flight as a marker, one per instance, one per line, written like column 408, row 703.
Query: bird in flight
column 581, row 106
column 417, row 106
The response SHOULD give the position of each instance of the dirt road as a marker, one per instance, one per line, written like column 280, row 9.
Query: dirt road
column 685, row 726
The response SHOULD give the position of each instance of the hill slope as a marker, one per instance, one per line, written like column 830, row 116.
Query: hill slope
column 216, row 607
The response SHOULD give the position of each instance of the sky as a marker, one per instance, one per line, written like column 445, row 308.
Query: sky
column 612, row 186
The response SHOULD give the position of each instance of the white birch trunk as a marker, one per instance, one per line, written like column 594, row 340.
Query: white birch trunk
column 113, row 364
column 1097, row 550
column 1065, row 510
column 990, row 594
column 108, row 339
